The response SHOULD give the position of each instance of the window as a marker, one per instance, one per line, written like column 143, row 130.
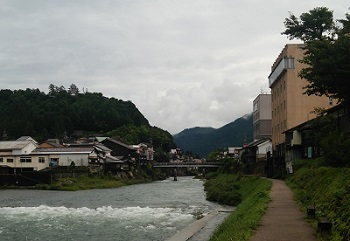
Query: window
column 1, row 159
column 41, row 159
column 25, row 159
column 9, row 160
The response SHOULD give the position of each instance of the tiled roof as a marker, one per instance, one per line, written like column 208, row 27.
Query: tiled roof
column 102, row 147
column 119, row 143
column 64, row 150
column 258, row 142
column 13, row 145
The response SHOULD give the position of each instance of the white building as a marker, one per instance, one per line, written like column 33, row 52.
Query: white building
column 17, row 155
column 24, row 154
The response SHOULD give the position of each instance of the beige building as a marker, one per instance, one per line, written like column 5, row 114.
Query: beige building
column 17, row 155
column 262, row 116
column 290, row 107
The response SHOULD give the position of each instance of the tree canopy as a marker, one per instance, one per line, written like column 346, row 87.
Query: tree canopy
column 327, row 51
column 32, row 112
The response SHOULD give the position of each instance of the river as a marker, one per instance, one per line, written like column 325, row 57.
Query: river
column 148, row 212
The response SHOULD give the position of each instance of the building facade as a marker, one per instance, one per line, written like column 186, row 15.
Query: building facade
column 262, row 117
column 289, row 105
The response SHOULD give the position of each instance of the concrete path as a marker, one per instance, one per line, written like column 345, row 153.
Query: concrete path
column 283, row 220
column 202, row 229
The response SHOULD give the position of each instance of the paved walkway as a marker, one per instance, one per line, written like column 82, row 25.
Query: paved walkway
column 283, row 220
column 201, row 229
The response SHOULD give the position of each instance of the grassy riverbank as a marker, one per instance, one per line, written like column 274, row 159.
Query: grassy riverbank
column 85, row 182
column 328, row 189
column 254, row 193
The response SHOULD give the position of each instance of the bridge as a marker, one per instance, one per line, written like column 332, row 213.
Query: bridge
column 186, row 164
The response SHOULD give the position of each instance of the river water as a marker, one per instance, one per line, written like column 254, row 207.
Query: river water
column 147, row 212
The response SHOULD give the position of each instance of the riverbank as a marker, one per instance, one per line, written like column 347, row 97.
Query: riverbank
column 79, row 179
column 328, row 190
column 242, row 222
column 89, row 182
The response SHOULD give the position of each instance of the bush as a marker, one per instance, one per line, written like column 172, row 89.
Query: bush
column 336, row 149
column 224, row 190
column 211, row 175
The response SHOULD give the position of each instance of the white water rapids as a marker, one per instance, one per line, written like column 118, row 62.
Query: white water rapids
column 153, row 211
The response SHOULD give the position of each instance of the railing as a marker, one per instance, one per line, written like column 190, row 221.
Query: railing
column 187, row 164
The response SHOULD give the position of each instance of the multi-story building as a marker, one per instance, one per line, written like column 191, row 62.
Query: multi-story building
column 262, row 117
column 290, row 106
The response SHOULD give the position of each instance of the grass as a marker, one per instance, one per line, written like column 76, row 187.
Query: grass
column 241, row 224
column 85, row 182
column 328, row 188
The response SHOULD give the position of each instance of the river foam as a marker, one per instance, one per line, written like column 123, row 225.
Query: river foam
column 110, row 212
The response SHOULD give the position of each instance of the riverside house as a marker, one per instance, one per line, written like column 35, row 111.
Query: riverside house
column 16, row 156
column 24, row 154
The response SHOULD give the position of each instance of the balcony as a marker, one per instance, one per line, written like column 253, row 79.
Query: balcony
column 283, row 65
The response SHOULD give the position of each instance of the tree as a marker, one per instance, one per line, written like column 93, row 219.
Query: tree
column 218, row 154
column 52, row 90
column 73, row 89
column 327, row 52
column 328, row 71
column 317, row 24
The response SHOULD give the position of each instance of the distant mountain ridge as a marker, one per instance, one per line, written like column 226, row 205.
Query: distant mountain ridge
column 203, row 140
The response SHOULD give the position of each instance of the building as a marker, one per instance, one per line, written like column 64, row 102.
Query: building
column 299, row 142
column 289, row 105
column 16, row 155
column 145, row 152
column 63, row 156
column 120, row 149
column 255, row 155
column 262, row 117
column 25, row 155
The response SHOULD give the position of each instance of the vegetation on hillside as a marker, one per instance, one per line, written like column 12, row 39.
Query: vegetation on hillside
column 161, row 140
column 328, row 188
column 58, row 114
column 202, row 141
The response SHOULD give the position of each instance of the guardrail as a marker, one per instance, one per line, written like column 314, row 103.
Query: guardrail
column 187, row 164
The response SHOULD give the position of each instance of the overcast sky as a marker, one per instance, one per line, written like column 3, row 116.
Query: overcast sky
column 183, row 63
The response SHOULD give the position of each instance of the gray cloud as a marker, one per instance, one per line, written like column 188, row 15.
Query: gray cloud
column 183, row 63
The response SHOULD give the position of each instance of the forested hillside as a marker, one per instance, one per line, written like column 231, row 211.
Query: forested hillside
column 203, row 140
column 61, row 113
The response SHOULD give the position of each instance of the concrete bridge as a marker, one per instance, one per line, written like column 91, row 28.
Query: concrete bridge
column 186, row 164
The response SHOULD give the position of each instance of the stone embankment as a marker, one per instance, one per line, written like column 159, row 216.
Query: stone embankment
column 201, row 229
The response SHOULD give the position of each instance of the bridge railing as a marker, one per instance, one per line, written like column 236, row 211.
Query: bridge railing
column 187, row 163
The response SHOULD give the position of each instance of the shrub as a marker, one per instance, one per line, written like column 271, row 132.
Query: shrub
column 336, row 149
column 223, row 189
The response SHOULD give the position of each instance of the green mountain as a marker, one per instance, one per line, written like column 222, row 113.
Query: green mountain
column 61, row 113
column 203, row 140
